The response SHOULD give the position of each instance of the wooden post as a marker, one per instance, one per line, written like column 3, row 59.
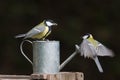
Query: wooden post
column 59, row 76
column 14, row 77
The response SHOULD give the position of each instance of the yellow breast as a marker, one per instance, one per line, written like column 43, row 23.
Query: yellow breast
column 92, row 41
column 41, row 34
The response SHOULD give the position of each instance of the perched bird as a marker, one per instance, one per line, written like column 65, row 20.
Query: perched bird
column 40, row 31
column 91, row 48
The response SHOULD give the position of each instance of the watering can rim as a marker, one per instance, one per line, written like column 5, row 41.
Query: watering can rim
column 46, row 41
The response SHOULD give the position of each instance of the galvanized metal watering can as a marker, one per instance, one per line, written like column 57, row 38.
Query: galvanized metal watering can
column 46, row 57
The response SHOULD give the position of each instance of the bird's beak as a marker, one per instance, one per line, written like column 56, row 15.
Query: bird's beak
column 55, row 24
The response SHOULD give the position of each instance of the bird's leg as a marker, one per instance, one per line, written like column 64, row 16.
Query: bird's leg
column 45, row 39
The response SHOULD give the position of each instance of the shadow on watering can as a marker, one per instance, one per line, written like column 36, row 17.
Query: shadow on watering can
column 46, row 56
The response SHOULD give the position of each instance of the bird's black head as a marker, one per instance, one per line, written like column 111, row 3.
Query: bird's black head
column 49, row 22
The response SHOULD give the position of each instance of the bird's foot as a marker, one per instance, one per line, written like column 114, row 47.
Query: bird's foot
column 46, row 40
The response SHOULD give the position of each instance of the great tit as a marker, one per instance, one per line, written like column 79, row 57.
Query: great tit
column 40, row 31
column 91, row 48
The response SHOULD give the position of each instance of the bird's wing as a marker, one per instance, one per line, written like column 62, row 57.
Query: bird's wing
column 87, row 49
column 104, row 51
column 35, row 30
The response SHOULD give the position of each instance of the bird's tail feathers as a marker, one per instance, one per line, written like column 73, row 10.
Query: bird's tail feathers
column 98, row 64
column 20, row 35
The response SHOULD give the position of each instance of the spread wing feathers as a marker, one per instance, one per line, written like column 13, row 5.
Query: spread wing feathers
column 103, row 51
column 98, row 64
column 87, row 50
column 34, row 31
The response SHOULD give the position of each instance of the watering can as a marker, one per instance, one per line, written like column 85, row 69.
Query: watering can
column 46, row 57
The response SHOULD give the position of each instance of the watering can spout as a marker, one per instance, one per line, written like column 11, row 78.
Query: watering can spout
column 69, row 58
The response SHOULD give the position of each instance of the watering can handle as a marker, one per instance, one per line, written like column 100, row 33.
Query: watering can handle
column 21, row 49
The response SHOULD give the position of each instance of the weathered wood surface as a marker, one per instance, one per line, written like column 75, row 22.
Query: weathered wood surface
column 58, row 76
column 14, row 77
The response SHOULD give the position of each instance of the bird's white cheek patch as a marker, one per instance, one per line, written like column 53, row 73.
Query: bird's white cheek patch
column 85, row 37
column 49, row 23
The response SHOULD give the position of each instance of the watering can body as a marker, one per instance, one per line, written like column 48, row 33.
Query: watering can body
column 46, row 57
